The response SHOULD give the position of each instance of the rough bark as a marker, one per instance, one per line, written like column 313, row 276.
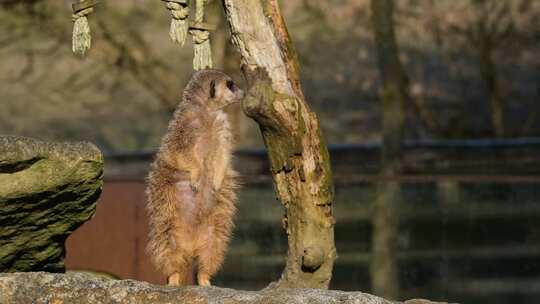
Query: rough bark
column 384, row 268
column 47, row 190
column 299, row 160
column 23, row 288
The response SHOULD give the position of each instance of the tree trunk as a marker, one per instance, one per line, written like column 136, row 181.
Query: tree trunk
column 489, row 31
column 488, row 71
column 300, row 164
column 384, row 268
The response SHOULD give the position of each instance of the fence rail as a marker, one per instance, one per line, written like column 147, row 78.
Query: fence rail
column 511, row 160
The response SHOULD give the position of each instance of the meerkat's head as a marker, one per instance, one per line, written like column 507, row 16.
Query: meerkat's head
column 213, row 89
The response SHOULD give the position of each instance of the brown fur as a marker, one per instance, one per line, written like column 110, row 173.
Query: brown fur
column 191, row 188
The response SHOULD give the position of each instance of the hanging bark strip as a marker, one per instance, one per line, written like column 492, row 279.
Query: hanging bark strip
column 201, row 39
column 300, row 163
column 82, row 40
column 179, row 23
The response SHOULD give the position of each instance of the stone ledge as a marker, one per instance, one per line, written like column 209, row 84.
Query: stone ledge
column 40, row 287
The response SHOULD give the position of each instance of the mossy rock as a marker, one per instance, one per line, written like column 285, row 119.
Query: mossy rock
column 47, row 190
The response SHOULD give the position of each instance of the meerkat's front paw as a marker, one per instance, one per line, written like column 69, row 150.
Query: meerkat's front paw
column 216, row 187
column 194, row 181
column 216, row 183
column 195, row 186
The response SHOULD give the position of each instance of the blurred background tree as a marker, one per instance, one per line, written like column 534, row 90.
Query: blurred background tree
column 395, row 96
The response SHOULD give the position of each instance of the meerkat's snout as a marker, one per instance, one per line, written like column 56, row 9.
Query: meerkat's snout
column 239, row 95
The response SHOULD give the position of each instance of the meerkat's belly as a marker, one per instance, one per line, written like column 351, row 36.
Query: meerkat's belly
column 186, row 195
column 215, row 157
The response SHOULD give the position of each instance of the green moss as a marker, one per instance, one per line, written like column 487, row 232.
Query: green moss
column 45, row 200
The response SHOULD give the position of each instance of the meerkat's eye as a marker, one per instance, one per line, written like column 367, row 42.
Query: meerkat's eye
column 230, row 85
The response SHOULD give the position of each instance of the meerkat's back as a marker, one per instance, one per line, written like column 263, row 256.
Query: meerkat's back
column 191, row 187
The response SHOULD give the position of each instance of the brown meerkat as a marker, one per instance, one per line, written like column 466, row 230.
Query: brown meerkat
column 191, row 188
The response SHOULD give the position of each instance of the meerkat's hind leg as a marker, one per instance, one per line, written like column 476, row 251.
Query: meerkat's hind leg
column 211, row 256
column 203, row 279
column 183, row 276
column 210, row 260
column 174, row 279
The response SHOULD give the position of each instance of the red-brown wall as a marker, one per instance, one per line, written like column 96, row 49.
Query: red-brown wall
column 113, row 241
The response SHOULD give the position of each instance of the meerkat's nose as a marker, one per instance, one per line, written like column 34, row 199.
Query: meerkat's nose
column 240, row 94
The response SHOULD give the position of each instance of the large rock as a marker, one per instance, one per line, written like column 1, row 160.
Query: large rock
column 23, row 288
column 47, row 190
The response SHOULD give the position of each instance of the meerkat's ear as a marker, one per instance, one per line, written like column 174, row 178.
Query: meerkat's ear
column 212, row 89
